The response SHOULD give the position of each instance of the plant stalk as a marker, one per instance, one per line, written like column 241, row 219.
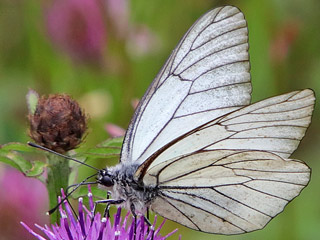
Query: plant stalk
column 58, row 176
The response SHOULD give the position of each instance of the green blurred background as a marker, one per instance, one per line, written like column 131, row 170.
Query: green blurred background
column 284, row 38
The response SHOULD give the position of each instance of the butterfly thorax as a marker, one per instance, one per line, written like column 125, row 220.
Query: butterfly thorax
column 120, row 182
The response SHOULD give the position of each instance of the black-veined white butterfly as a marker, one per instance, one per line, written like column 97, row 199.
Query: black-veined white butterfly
column 196, row 151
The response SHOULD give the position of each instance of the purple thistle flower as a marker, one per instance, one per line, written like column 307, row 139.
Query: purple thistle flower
column 84, row 227
column 77, row 27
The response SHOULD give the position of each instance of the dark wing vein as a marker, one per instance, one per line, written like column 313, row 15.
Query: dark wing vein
column 283, row 111
column 164, row 199
column 187, row 34
column 246, row 205
column 217, row 36
column 248, row 137
column 210, row 54
column 265, row 106
column 266, row 126
column 201, row 209
column 208, row 110
column 269, row 121
column 222, row 86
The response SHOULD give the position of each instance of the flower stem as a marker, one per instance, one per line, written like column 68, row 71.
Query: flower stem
column 58, row 175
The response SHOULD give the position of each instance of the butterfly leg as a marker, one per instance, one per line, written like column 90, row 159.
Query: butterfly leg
column 106, row 210
column 108, row 202
column 132, row 208
column 108, row 194
column 147, row 221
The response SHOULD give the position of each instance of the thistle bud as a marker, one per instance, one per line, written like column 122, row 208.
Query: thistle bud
column 57, row 123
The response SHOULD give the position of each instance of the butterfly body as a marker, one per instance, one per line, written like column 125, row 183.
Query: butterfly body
column 119, row 180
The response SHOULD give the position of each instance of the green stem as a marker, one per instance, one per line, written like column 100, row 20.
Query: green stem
column 58, row 175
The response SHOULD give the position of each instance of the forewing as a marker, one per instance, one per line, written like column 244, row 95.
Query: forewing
column 206, row 76
column 226, row 191
column 276, row 125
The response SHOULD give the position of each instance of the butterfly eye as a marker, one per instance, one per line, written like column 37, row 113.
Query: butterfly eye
column 106, row 181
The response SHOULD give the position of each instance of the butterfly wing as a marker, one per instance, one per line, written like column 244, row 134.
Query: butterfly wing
column 206, row 76
column 231, row 175
column 227, row 191
column 276, row 125
column 215, row 160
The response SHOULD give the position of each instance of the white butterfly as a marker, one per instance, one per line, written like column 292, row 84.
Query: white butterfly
column 197, row 152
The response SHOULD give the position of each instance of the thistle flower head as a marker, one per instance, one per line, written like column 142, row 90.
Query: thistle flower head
column 57, row 123
column 84, row 227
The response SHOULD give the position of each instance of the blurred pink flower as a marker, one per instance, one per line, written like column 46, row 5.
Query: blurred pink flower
column 114, row 130
column 77, row 27
column 135, row 102
column 118, row 12
column 283, row 41
column 139, row 39
column 21, row 199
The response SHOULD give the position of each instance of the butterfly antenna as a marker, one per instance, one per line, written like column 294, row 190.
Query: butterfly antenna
column 83, row 182
column 61, row 155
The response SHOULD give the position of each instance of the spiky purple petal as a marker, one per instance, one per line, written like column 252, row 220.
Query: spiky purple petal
column 98, row 228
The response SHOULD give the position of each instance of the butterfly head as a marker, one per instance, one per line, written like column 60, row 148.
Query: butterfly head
column 105, row 178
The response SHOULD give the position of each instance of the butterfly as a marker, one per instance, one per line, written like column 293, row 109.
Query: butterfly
column 197, row 152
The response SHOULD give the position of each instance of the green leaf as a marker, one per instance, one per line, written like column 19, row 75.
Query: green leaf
column 10, row 154
column 102, row 152
column 106, row 149
column 9, row 162
column 16, row 146
column 23, row 164
column 37, row 169
column 112, row 142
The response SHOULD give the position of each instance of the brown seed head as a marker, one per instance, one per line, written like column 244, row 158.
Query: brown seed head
column 58, row 123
